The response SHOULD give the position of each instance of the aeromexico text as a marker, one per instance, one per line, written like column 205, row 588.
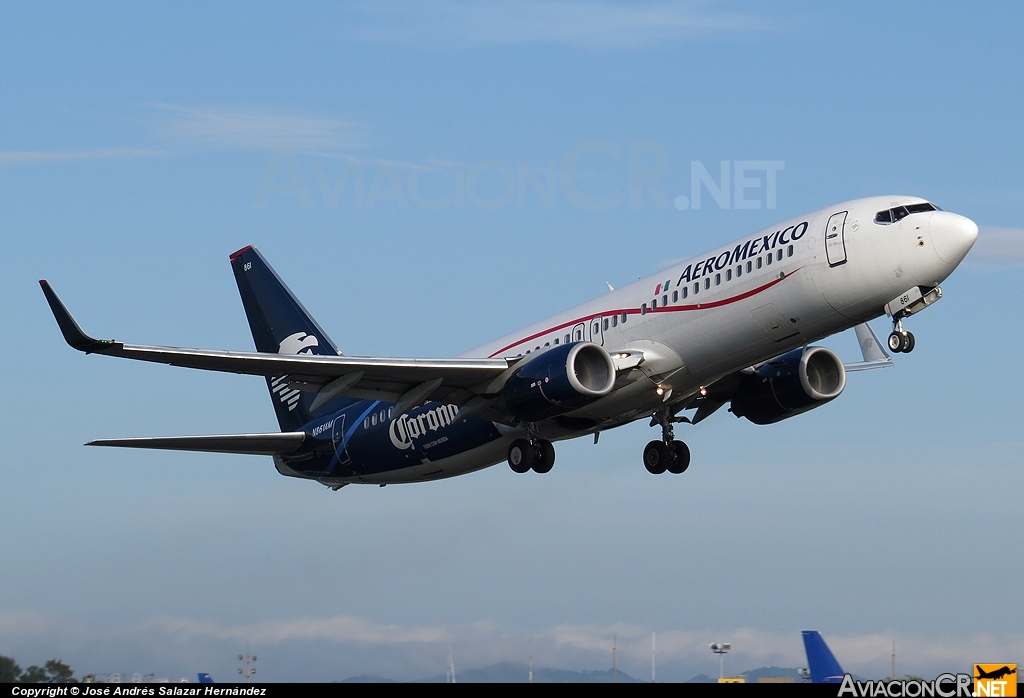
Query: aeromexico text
column 750, row 248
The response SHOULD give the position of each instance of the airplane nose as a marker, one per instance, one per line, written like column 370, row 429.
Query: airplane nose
column 952, row 236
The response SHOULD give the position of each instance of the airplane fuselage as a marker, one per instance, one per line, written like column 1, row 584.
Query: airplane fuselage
column 707, row 317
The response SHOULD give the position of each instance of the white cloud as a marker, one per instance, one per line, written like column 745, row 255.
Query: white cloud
column 999, row 246
column 240, row 130
column 329, row 629
column 20, row 157
column 444, row 23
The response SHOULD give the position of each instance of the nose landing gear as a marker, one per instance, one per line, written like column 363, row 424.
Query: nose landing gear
column 667, row 454
column 900, row 341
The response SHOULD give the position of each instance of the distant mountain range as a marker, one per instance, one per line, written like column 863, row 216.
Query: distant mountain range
column 512, row 672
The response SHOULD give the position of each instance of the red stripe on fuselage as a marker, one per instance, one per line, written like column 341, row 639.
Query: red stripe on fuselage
column 636, row 311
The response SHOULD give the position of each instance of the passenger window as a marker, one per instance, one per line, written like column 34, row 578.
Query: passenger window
column 391, row 412
column 366, row 423
column 615, row 320
column 685, row 289
column 748, row 266
column 623, row 316
column 768, row 259
column 664, row 300
column 778, row 256
column 758, row 263
column 643, row 309
column 675, row 296
column 696, row 288
column 373, row 420
column 739, row 271
column 556, row 341
column 547, row 344
column 789, row 252
column 606, row 323
column 654, row 304
column 566, row 339
column 718, row 279
column 728, row 274
column 707, row 284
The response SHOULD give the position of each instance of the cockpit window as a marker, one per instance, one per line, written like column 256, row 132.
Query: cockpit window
column 898, row 213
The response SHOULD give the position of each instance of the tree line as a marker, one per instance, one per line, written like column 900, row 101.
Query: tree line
column 53, row 671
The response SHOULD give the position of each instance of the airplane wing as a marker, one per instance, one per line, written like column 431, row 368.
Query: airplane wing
column 406, row 381
column 717, row 393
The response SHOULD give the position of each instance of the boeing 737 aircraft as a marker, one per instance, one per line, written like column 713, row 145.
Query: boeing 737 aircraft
column 732, row 326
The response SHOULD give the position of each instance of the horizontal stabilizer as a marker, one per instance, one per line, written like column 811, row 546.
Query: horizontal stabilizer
column 257, row 444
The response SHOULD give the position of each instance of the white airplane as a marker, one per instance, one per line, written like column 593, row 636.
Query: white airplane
column 730, row 326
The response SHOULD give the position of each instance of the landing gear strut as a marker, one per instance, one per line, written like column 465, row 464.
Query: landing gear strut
column 667, row 454
column 900, row 341
column 532, row 453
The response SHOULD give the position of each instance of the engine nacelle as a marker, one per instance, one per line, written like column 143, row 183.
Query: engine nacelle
column 790, row 384
column 560, row 380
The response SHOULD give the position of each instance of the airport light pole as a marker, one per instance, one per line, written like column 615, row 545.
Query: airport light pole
column 720, row 648
column 248, row 669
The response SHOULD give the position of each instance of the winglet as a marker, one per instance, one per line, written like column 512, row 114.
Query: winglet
column 73, row 334
column 871, row 349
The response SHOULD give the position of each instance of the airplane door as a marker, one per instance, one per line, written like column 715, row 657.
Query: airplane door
column 596, row 333
column 579, row 332
column 835, row 239
column 338, row 440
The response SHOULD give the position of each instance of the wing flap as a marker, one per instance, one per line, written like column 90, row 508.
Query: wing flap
column 256, row 444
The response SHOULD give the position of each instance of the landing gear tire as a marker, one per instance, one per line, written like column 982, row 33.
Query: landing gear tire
column 520, row 456
column 656, row 457
column 896, row 342
column 680, row 460
column 901, row 342
column 543, row 456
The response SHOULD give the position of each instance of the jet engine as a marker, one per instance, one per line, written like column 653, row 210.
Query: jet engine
column 790, row 384
column 560, row 380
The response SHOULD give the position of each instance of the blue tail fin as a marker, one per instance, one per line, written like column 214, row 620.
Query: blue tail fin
column 280, row 325
column 820, row 660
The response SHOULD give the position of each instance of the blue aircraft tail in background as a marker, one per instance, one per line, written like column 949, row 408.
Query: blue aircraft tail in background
column 205, row 678
column 820, row 660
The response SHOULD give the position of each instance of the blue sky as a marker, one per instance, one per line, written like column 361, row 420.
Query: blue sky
column 392, row 163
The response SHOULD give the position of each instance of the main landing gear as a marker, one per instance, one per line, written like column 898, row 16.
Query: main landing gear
column 900, row 341
column 667, row 454
column 532, row 453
